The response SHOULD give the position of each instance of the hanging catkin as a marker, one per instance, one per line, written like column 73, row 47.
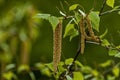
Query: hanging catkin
column 82, row 31
column 90, row 27
column 57, row 43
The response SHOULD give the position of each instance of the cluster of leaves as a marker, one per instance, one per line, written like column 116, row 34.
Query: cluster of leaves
column 68, row 70
column 108, row 70
column 13, row 32
column 80, row 72
column 72, row 28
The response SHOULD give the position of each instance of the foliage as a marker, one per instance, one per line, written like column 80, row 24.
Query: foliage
column 18, row 33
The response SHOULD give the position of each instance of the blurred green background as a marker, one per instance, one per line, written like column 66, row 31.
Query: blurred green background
column 24, row 39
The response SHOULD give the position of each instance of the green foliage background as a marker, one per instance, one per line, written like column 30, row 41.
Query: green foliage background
column 41, row 45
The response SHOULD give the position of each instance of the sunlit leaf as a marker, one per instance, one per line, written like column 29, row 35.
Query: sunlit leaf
column 8, row 75
column 105, row 42
column 107, row 63
column 109, row 77
column 42, row 16
column 23, row 67
column 104, row 34
column 115, row 8
column 53, row 21
column 87, row 76
column 74, row 34
column 40, row 66
column 86, row 69
column 118, row 47
column 95, row 73
column 60, row 67
column 77, row 17
column 70, row 31
column 73, row 7
column 68, row 61
column 10, row 66
column 117, row 55
column 110, row 3
column 116, row 71
column 113, row 52
column 46, row 72
column 79, row 63
column 119, row 12
column 95, row 19
column 78, row 76
column 68, row 77
column 44, row 68
column 50, row 66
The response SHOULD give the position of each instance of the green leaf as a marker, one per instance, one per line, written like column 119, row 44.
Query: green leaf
column 42, row 16
column 115, row 8
column 23, row 67
column 60, row 67
column 105, row 43
column 118, row 47
column 116, row 71
column 103, row 35
column 88, row 76
column 32, row 75
column 110, row 77
column 77, row 76
column 70, row 31
column 107, row 63
column 44, row 68
column 54, row 22
column 78, row 17
column 118, row 55
column 73, row 7
column 10, row 66
column 110, row 3
column 79, row 64
column 113, row 52
column 74, row 34
column 95, row 73
column 40, row 66
column 86, row 69
column 119, row 12
column 95, row 19
column 50, row 66
column 8, row 75
column 46, row 72
column 68, row 61
column 68, row 77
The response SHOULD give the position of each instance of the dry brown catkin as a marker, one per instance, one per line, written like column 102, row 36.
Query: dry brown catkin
column 57, row 43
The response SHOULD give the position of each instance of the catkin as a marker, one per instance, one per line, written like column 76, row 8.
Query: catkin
column 82, row 31
column 57, row 43
column 90, row 27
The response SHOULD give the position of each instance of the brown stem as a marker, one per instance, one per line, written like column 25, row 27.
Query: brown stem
column 57, row 43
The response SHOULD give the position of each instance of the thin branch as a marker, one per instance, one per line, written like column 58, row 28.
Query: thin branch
column 109, row 11
column 101, row 10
